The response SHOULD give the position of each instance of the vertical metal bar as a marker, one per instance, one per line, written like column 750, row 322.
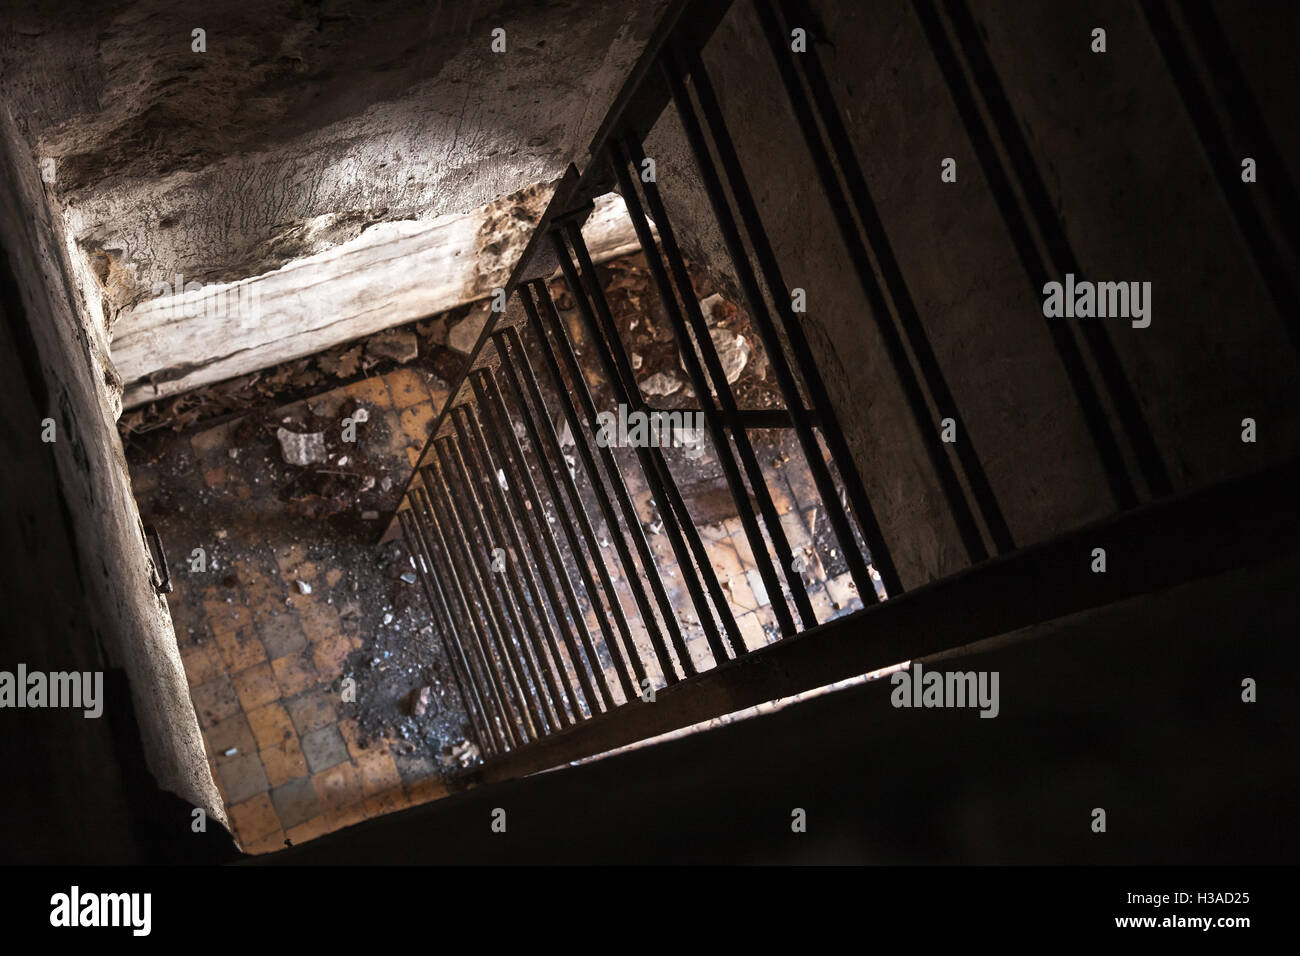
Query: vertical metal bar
column 489, row 399
column 631, row 526
column 500, row 718
column 568, row 518
column 1223, row 72
column 501, row 610
column 494, row 647
column 823, row 106
column 1036, row 267
column 632, row 574
column 772, row 342
column 678, row 524
column 729, row 418
column 503, row 520
column 1045, row 212
column 501, row 723
column 494, row 531
column 442, row 623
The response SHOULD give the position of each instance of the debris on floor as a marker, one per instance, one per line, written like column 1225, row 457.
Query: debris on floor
column 323, row 692
column 294, row 601
column 398, row 345
column 299, row 449
column 463, row 754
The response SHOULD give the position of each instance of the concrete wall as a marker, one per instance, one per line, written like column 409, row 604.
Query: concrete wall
column 1127, row 182
column 119, row 788
column 1138, row 196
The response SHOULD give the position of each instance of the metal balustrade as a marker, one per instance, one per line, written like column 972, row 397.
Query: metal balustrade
column 550, row 599
column 542, row 630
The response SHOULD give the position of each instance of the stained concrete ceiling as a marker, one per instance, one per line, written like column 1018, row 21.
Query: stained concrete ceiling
column 302, row 125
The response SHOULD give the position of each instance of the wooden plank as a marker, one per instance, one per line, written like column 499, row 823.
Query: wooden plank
column 392, row 274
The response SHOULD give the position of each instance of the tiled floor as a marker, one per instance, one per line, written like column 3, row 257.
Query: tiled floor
column 263, row 657
column 287, row 608
column 830, row 587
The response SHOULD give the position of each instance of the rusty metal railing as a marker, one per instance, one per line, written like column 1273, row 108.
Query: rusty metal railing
column 550, row 600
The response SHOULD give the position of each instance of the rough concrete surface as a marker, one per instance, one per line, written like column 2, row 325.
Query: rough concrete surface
column 1116, row 150
column 300, row 126
column 122, row 618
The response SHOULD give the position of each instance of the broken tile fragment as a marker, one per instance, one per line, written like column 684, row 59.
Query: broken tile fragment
column 301, row 449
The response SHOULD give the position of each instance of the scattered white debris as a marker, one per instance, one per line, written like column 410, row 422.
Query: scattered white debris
column 661, row 384
column 231, row 752
column 361, row 415
column 298, row 449
column 420, row 701
column 303, row 587
column 733, row 352
column 386, row 484
column 343, row 461
column 409, row 577
column 388, row 618
column 464, row 753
